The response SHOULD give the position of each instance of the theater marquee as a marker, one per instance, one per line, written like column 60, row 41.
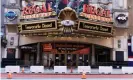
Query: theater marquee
column 39, row 26
column 94, row 28
column 67, row 21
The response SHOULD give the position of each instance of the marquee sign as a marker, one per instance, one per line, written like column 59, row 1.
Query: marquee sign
column 68, row 20
column 94, row 28
column 39, row 26
column 91, row 12
column 36, row 11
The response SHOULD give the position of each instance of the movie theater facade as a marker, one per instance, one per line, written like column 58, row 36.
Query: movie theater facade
column 70, row 38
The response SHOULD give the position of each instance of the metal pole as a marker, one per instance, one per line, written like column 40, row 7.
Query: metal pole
column 93, row 55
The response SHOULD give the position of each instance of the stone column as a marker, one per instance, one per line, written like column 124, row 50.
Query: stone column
column 93, row 55
column 38, row 54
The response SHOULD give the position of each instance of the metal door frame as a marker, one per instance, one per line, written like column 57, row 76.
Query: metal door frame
column 82, row 59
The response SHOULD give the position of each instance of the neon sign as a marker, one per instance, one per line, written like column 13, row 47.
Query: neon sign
column 91, row 12
column 36, row 11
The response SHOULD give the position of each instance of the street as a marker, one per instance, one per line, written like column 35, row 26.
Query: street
column 70, row 79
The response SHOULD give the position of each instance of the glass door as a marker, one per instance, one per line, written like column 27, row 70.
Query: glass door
column 26, row 59
column 45, row 60
column 69, row 60
column 74, row 60
column 86, row 60
column 80, row 60
column 57, row 60
column 62, row 58
column 31, row 57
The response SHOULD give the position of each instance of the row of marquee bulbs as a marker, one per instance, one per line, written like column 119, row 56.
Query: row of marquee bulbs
column 92, row 36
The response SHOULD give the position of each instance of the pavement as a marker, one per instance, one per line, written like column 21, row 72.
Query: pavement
column 67, row 79
column 75, row 71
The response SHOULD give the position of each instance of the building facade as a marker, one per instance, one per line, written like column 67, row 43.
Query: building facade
column 94, row 33
column 10, row 18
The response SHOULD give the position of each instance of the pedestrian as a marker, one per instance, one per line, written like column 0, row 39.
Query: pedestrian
column 51, row 64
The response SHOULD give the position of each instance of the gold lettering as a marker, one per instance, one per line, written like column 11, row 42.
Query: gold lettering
column 37, row 26
column 88, row 27
column 47, row 25
column 91, row 27
column 26, row 27
column 104, row 29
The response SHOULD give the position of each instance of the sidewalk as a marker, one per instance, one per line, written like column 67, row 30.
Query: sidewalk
column 75, row 71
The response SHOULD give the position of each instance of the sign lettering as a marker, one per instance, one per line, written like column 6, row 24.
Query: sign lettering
column 39, row 26
column 99, row 11
column 95, row 28
column 36, row 11
column 91, row 12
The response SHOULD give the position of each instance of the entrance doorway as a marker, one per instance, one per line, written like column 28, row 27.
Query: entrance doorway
column 46, row 59
column 67, row 54
column 73, row 60
column 29, row 59
column 83, row 60
column 60, row 59
column 66, row 60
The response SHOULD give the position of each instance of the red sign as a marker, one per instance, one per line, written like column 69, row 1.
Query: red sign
column 91, row 12
column 36, row 11
column 47, row 47
column 96, row 11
